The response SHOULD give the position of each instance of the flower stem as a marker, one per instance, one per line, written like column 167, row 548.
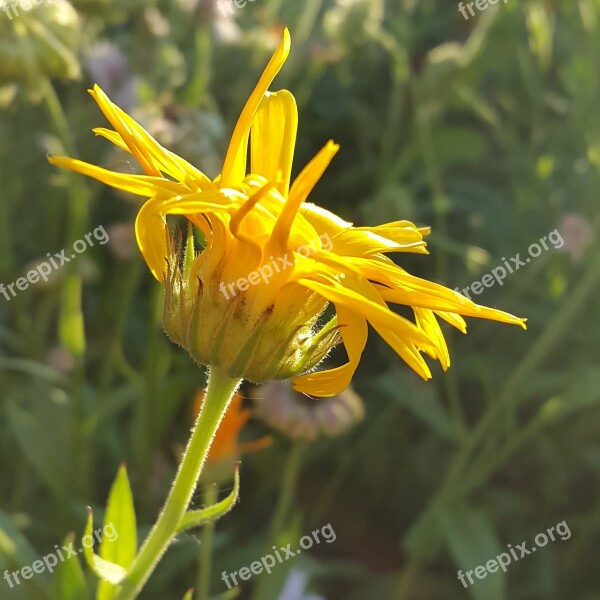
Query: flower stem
column 218, row 395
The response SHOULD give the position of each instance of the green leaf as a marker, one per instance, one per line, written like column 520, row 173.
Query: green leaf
column 471, row 540
column 13, row 544
column 195, row 518
column 42, row 432
column 423, row 537
column 32, row 368
column 103, row 569
column 68, row 581
column 120, row 515
column 121, row 547
column 189, row 594
column 15, row 552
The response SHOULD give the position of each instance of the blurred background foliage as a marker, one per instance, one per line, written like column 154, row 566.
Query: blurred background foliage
column 488, row 129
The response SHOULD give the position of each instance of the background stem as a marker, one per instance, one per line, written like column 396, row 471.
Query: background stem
column 211, row 493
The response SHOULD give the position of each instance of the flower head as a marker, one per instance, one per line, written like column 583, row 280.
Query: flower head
column 253, row 218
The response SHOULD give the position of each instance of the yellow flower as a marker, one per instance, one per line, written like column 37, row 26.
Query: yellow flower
column 220, row 304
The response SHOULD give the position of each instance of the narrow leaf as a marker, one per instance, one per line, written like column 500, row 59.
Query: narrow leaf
column 472, row 542
column 68, row 581
column 16, row 551
column 119, row 534
column 13, row 544
column 103, row 569
column 119, row 537
column 195, row 518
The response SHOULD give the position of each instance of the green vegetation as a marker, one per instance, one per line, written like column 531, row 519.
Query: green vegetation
column 487, row 129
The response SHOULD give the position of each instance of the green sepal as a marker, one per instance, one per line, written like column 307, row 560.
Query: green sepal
column 190, row 252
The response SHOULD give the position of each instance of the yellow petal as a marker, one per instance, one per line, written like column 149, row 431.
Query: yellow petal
column 110, row 112
column 427, row 321
column 403, row 233
column 151, row 235
column 322, row 220
column 112, row 136
column 171, row 164
column 141, row 185
column 325, row 384
column 364, row 242
column 406, row 349
column 234, row 167
column 377, row 314
column 161, row 159
column 236, row 221
column 454, row 320
column 402, row 288
column 302, row 186
column 273, row 138
column 150, row 226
